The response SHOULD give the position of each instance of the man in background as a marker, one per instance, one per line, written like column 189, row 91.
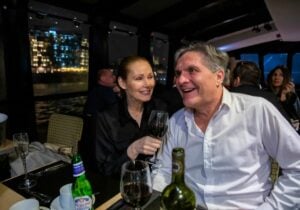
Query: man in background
column 103, row 95
column 245, row 78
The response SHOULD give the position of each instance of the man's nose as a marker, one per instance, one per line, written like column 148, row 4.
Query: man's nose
column 183, row 77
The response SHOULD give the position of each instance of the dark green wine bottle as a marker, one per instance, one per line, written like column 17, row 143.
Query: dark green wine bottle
column 177, row 195
column 81, row 189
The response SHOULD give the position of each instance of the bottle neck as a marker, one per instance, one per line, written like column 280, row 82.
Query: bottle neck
column 78, row 169
column 178, row 170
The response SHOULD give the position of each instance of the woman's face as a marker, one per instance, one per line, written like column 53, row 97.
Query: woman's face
column 140, row 81
column 277, row 78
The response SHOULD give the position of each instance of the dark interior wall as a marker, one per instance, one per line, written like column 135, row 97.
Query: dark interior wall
column 174, row 45
column 3, row 104
column 2, row 71
column 20, row 102
column 98, row 49
column 144, row 44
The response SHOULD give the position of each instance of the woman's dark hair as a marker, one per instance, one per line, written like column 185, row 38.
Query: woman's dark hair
column 286, row 77
column 125, row 62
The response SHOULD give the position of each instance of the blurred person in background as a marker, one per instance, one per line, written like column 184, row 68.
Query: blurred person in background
column 245, row 78
column 227, row 78
column 279, row 82
column 101, row 97
column 104, row 94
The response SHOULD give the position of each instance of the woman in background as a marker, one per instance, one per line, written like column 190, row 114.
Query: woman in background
column 279, row 81
column 121, row 132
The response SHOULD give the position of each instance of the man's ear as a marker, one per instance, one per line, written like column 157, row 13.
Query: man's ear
column 121, row 83
column 236, row 81
column 220, row 76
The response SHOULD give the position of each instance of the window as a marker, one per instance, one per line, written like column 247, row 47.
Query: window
column 122, row 42
column 250, row 57
column 59, row 62
column 296, row 69
column 159, row 48
column 59, row 48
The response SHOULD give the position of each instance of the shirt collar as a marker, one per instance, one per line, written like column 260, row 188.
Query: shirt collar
column 226, row 99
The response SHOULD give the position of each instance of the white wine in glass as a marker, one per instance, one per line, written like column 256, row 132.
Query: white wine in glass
column 21, row 142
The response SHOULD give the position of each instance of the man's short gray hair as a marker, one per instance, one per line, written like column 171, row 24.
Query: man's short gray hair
column 214, row 59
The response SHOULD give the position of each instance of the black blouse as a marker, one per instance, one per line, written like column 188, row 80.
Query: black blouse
column 115, row 131
column 288, row 105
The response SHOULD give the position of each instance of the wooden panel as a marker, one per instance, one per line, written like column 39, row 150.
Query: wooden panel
column 8, row 197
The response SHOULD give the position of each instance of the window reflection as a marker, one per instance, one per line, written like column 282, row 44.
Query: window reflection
column 58, row 60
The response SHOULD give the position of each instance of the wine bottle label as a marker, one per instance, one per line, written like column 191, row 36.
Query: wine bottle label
column 78, row 169
column 83, row 203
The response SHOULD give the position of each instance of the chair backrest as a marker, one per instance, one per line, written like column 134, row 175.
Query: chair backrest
column 64, row 129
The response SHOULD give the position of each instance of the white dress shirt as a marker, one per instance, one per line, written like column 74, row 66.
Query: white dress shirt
column 228, row 166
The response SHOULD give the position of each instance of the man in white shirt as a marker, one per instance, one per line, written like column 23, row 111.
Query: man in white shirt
column 228, row 139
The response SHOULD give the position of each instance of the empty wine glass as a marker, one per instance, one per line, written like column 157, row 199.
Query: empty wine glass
column 158, row 126
column 21, row 142
column 135, row 184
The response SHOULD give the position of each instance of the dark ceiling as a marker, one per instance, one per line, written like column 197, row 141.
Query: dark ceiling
column 182, row 19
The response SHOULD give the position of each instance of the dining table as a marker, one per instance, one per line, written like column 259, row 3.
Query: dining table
column 52, row 176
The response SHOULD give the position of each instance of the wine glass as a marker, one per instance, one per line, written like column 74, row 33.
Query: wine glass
column 135, row 184
column 21, row 142
column 158, row 126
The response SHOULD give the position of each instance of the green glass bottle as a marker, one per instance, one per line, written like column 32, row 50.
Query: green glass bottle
column 81, row 189
column 177, row 195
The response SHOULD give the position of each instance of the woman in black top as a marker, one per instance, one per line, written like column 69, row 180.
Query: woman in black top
column 279, row 81
column 121, row 132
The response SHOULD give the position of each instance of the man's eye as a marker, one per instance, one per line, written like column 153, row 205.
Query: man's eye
column 191, row 70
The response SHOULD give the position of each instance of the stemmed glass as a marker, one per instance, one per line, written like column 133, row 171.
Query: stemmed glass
column 21, row 142
column 135, row 184
column 158, row 126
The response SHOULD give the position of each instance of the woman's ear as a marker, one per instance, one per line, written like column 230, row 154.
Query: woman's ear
column 121, row 83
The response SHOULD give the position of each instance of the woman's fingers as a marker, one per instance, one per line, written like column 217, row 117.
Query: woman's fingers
column 149, row 145
column 146, row 145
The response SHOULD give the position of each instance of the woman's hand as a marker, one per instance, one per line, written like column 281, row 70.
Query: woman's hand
column 289, row 87
column 146, row 145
